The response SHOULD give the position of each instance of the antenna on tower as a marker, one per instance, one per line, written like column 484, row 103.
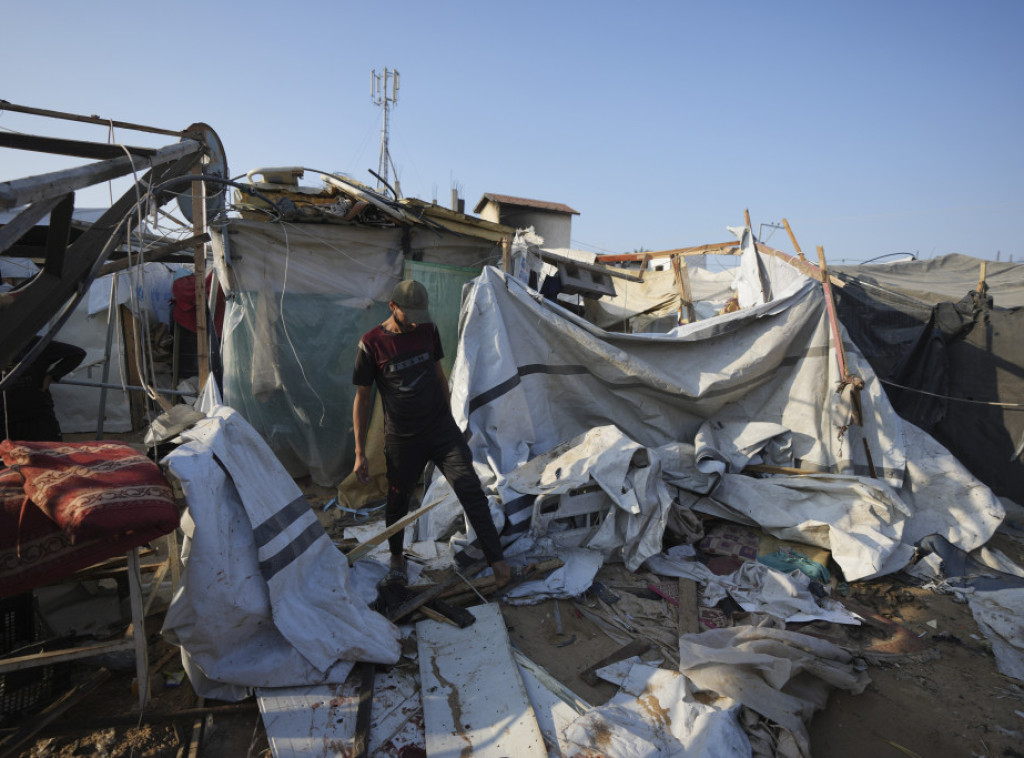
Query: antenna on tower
column 384, row 92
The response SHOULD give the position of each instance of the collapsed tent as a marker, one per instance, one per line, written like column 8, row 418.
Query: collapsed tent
column 945, row 340
column 756, row 386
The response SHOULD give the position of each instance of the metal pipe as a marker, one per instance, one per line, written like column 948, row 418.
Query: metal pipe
column 4, row 105
column 106, row 385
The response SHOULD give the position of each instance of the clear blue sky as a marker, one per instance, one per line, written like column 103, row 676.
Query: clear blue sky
column 873, row 127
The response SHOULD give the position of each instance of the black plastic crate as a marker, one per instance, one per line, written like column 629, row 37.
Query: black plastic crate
column 29, row 689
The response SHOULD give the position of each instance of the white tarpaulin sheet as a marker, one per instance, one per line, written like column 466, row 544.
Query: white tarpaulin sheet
column 750, row 386
column 783, row 676
column 657, row 714
column 266, row 599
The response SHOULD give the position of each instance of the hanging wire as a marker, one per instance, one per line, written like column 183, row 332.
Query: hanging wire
column 284, row 327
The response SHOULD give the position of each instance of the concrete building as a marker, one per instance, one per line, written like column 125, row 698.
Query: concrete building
column 552, row 221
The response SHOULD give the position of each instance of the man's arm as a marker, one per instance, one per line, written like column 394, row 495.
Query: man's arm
column 361, row 408
column 443, row 381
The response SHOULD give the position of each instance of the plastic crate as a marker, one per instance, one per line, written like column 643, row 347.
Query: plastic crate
column 26, row 690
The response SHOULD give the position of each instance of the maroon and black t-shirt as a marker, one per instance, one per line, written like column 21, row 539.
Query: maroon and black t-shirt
column 403, row 367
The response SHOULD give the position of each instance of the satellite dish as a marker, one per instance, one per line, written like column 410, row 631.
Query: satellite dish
column 213, row 163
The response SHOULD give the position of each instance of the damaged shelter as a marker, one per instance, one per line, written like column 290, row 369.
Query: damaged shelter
column 666, row 454
column 691, row 469
column 944, row 337
column 306, row 278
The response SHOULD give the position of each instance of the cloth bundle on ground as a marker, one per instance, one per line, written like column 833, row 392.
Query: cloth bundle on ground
column 65, row 506
column 266, row 599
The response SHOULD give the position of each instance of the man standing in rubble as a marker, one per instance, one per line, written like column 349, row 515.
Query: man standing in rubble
column 403, row 356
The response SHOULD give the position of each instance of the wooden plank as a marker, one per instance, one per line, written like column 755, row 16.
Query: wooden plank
column 833, row 318
column 365, row 547
column 39, row 300
column 153, row 255
column 683, row 284
column 43, row 186
column 137, row 629
column 474, row 700
column 364, row 707
column 199, row 261
column 18, row 226
column 636, row 647
column 792, row 238
column 689, row 617
column 429, row 594
column 58, row 234
column 716, row 248
column 72, row 147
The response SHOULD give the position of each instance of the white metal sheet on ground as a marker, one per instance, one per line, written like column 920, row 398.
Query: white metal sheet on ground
column 554, row 705
column 474, row 701
column 303, row 722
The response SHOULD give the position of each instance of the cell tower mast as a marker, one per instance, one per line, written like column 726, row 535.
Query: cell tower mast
column 384, row 92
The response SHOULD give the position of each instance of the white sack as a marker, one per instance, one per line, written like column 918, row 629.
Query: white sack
column 264, row 598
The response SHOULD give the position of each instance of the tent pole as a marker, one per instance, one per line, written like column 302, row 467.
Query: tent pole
column 199, row 259
column 683, row 283
column 833, row 320
column 112, row 314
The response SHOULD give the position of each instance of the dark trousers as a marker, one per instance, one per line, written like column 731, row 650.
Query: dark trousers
column 446, row 448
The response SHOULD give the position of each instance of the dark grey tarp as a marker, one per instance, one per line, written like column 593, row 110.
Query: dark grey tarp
column 951, row 360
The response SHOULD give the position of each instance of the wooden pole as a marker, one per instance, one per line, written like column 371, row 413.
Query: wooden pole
column 683, row 283
column 833, row 319
column 43, row 186
column 981, row 280
column 506, row 254
column 199, row 259
column 746, row 217
column 365, row 547
column 792, row 238
column 719, row 248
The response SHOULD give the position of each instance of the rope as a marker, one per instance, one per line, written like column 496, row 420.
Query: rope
column 950, row 397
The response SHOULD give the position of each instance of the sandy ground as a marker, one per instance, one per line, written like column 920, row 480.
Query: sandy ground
column 943, row 698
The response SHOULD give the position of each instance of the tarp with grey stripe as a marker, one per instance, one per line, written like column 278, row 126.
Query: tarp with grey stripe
column 266, row 599
column 754, row 386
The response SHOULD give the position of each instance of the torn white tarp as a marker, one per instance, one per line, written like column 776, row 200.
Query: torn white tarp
column 656, row 713
column 265, row 598
column 571, row 579
column 630, row 477
column 999, row 615
column 859, row 520
column 784, row 676
column 531, row 376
